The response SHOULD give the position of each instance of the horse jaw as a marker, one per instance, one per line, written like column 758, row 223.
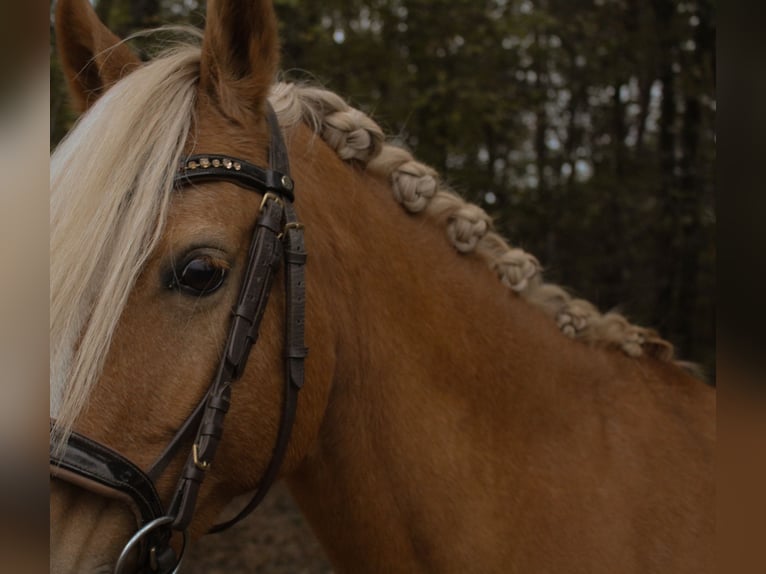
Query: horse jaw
column 87, row 532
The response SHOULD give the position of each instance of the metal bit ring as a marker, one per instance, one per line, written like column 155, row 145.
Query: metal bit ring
column 138, row 536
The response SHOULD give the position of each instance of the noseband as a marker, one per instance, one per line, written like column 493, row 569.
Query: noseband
column 278, row 236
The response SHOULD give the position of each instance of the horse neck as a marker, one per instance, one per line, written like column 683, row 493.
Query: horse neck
column 438, row 372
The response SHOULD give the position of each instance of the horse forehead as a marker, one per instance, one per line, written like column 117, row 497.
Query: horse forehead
column 213, row 210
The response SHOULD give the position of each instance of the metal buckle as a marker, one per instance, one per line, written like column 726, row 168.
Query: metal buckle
column 200, row 464
column 138, row 536
column 291, row 225
column 273, row 196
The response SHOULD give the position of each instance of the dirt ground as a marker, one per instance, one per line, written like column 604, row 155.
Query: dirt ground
column 274, row 539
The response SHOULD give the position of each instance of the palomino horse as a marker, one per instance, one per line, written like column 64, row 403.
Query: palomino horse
column 458, row 414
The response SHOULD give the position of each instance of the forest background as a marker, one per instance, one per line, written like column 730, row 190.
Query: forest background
column 586, row 128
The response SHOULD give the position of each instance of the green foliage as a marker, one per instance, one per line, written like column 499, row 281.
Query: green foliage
column 586, row 127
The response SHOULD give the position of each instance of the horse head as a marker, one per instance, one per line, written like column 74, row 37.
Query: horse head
column 148, row 261
column 458, row 413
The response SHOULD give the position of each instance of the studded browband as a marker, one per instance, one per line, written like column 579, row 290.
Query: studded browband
column 278, row 236
column 198, row 168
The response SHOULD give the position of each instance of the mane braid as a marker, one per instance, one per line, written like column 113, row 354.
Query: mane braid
column 110, row 197
column 417, row 187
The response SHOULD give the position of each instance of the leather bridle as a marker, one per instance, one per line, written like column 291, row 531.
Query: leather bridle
column 277, row 237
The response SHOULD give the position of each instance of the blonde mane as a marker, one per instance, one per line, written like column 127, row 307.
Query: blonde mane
column 417, row 187
column 111, row 185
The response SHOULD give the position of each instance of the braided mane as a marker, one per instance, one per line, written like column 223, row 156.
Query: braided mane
column 88, row 296
column 356, row 137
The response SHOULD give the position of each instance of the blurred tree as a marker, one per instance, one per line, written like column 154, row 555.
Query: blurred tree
column 586, row 127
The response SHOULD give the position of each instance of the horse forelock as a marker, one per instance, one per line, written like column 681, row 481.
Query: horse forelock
column 111, row 181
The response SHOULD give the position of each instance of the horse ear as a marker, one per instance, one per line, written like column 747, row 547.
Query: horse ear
column 92, row 57
column 240, row 55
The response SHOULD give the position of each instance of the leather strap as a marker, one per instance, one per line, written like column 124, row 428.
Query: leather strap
column 295, row 351
column 104, row 471
column 195, row 169
column 201, row 167
column 278, row 158
column 265, row 255
column 109, row 470
column 182, row 434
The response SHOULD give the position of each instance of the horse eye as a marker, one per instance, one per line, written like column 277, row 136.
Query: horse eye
column 201, row 276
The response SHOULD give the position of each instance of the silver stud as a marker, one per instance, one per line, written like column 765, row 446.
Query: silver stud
column 192, row 165
column 216, row 163
column 227, row 163
column 237, row 165
column 204, row 162
column 287, row 183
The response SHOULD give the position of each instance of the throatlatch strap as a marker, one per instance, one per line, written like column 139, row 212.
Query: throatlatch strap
column 295, row 353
